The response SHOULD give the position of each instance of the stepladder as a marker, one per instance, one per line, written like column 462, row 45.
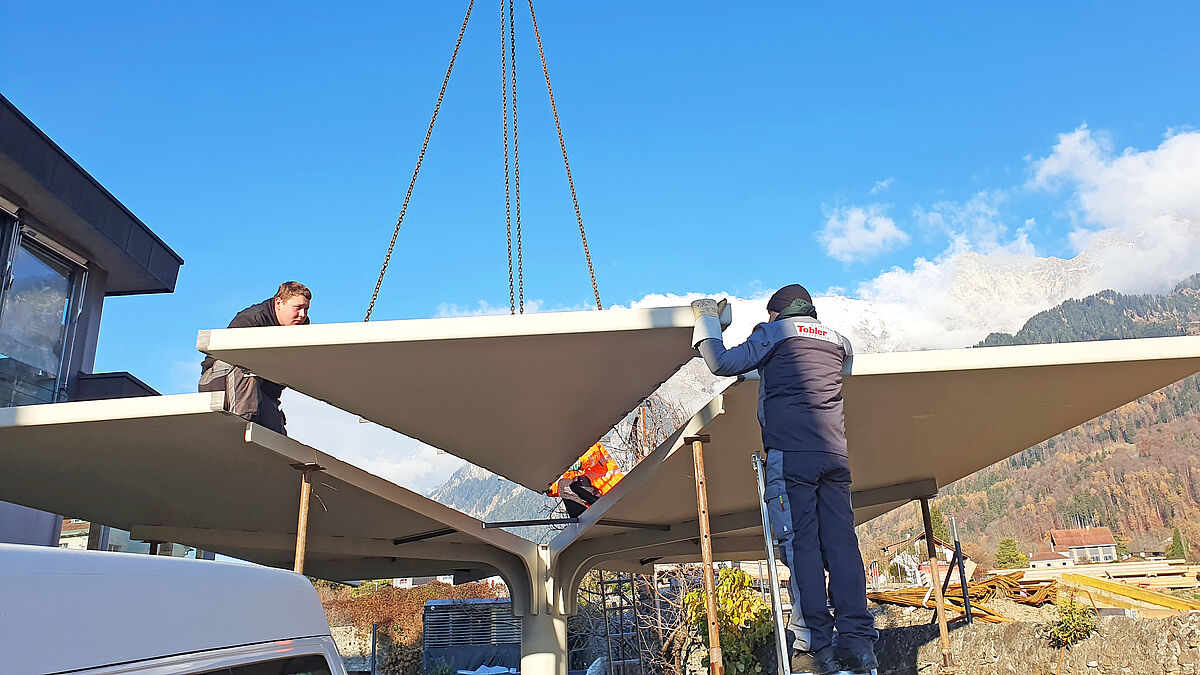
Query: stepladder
column 771, row 544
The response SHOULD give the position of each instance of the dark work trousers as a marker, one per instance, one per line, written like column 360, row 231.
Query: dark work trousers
column 817, row 486
column 581, row 487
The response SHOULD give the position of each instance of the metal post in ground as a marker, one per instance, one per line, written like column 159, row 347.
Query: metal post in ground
column 934, row 573
column 306, row 471
column 374, row 627
column 962, row 573
column 716, row 665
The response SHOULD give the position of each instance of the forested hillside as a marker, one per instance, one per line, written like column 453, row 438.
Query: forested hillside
column 1135, row 469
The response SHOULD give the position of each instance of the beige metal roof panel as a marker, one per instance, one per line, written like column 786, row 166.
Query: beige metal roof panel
column 910, row 417
column 522, row 396
column 179, row 468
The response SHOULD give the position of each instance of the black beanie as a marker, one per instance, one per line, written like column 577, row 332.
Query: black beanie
column 786, row 296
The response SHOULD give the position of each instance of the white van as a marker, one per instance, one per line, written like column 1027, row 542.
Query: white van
column 106, row 613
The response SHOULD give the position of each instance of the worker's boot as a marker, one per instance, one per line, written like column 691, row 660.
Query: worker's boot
column 857, row 661
column 820, row 662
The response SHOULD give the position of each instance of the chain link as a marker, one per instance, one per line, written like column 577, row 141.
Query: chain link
column 512, row 301
column 566, row 163
column 420, row 158
column 512, row 62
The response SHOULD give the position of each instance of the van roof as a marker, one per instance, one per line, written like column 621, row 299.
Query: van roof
column 65, row 610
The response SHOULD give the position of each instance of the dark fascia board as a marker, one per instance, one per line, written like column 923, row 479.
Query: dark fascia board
column 42, row 179
column 103, row 386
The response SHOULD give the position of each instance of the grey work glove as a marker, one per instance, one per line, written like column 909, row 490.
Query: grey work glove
column 707, row 313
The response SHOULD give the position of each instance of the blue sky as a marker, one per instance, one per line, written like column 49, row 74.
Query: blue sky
column 712, row 144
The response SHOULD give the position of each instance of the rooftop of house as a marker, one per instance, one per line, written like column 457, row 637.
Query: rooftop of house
column 1042, row 556
column 1092, row 536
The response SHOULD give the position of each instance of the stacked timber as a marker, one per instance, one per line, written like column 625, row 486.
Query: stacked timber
column 1012, row 586
column 1162, row 573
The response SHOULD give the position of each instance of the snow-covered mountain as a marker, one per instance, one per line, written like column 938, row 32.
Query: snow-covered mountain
column 956, row 303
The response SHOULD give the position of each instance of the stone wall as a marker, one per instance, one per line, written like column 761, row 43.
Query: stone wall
column 1121, row 647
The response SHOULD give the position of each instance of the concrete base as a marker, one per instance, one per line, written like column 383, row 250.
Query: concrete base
column 544, row 644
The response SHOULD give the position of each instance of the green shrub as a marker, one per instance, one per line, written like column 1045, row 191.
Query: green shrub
column 1076, row 621
column 743, row 619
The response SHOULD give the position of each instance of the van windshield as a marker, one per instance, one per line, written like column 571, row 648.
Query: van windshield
column 313, row 664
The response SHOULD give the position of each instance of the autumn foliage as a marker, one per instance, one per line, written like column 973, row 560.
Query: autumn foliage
column 1133, row 469
column 396, row 610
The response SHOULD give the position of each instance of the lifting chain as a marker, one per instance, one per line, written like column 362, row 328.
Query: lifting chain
column 420, row 158
column 512, row 172
column 566, row 163
column 512, row 300
column 510, row 87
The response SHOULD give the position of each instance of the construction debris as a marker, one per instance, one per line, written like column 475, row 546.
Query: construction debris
column 1015, row 586
column 1010, row 586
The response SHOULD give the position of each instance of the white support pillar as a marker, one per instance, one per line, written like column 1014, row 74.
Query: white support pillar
column 544, row 644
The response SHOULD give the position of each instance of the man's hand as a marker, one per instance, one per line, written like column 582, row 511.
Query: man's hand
column 708, row 307
column 707, row 313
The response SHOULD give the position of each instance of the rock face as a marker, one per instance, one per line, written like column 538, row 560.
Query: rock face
column 1122, row 646
column 958, row 303
column 488, row 497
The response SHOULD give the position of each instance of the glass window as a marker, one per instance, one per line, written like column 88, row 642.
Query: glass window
column 313, row 664
column 35, row 318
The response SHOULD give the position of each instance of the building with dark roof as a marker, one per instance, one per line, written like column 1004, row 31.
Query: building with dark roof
column 66, row 243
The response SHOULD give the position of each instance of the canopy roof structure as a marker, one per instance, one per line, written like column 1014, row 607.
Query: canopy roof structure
column 179, row 468
column 914, row 421
column 522, row 396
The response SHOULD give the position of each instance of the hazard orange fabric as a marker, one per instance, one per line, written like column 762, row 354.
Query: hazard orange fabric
column 598, row 466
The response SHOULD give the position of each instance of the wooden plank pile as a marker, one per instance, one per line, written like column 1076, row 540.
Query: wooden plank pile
column 1011, row 586
column 1170, row 573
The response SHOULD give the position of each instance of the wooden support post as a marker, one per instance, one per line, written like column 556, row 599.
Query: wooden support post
column 934, row 573
column 306, row 472
column 716, row 664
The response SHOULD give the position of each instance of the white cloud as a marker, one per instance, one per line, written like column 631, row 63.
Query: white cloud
column 855, row 234
column 882, row 185
column 483, row 307
column 375, row 449
column 1136, row 220
column 1137, row 212
column 976, row 224
column 746, row 312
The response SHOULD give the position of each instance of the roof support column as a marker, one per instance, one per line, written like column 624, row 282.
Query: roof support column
column 544, row 644
column 936, row 582
column 306, row 471
column 544, row 631
column 716, row 665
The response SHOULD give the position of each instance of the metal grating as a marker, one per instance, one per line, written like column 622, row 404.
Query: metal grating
column 475, row 622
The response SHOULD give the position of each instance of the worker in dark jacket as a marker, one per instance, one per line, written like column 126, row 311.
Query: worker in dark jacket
column 800, row 362
column 246, row 394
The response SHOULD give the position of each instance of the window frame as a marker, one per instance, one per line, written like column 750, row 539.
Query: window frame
column 17, row 234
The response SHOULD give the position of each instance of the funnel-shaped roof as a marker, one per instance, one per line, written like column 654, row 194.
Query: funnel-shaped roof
column 522, row 396
column 914, row 421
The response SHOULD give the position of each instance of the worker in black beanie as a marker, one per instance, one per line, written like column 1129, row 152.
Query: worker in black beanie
column 800, row 363
column 786, row 296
